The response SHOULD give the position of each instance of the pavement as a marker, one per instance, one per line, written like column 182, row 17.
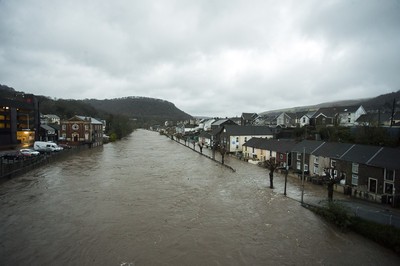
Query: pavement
column 376, row 212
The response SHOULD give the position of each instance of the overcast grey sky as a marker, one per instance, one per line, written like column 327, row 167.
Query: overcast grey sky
column 210, row 57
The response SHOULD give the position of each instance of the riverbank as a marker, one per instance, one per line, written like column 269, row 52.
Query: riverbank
column 201, row 152
column 13, row 164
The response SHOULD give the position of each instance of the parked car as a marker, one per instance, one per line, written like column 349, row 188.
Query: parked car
column 43, row 146
column 29, row 152
column 64, row 146
column 13, row 156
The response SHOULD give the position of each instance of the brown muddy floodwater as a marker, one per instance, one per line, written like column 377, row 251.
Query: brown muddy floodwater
column 147, row 200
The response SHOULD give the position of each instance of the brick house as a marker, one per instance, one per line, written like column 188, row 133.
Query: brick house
column 80, row 130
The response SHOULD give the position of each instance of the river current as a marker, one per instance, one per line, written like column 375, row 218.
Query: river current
column 146, row 200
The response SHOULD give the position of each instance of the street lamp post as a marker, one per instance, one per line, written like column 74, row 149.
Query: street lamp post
column 286, row 174
column 302, row 177
column 394, row 196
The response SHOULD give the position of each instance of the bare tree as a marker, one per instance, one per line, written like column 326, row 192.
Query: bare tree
column 271, row 165
column 222, row 150
column 201, row 147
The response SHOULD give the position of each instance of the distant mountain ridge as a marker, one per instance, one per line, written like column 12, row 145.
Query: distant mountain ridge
column 382, row 102
column 157, row 109
column 140, row 107
column 134, row 107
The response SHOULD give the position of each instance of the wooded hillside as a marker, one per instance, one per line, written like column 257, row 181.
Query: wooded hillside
column 140, row 108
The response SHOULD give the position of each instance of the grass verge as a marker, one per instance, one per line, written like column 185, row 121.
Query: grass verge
column 385, row 235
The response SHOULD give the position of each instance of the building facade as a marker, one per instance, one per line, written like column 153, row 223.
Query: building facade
column 80, row 130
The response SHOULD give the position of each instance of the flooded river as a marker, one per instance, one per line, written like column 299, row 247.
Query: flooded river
column 146, row 200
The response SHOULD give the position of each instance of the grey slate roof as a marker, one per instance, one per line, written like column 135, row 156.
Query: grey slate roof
column 387, row 158
column 93, row 120
column 222, row 122
column 282, row 146
column 48, row 128
column 332, row 150
column 373, row 117
column 308, row 145
column 360, row 153
column 254, row 142
column 249, row 116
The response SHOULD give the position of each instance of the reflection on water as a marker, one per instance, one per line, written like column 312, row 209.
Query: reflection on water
column 148, row 200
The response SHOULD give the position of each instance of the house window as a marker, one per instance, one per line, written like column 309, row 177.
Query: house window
column 389, row 175
column 372, row 185
column 86, row 127
column 305, row 167
column 298, row 156
column 354, row 180
column 316, row 160
column 237, row 146
column 388, row 188
column 281, row 156
column 333, row 164
column 237, row 139
column 64, row 127
column 316, row 169
column 245, row 139
column 354, row 168
column 304, row 119
column 298, row 166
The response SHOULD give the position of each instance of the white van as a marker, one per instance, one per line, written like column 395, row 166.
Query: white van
column 44, row 146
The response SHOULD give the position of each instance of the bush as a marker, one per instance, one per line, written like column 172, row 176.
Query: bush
column 385, row 235
column 113, row 137
column 336, row 213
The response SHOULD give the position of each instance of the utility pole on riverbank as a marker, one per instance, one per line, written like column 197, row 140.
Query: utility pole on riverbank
column 302, row 176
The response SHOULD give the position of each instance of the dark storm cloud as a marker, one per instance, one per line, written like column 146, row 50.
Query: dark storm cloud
column 208, row 57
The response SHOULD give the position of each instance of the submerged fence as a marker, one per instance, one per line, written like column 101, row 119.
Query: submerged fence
column 12, row 165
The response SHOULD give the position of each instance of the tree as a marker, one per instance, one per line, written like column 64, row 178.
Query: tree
column 201, row 147
column 222, row 150
column 271, row 165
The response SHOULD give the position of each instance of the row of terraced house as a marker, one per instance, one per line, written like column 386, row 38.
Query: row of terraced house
column 368, row 172
column 364, row 171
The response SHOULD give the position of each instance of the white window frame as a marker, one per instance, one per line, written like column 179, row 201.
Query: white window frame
column 354, row 179
column 316, row 169
column 369, row 185
column 386, row 175
column 385, row 184
column 354, row 168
